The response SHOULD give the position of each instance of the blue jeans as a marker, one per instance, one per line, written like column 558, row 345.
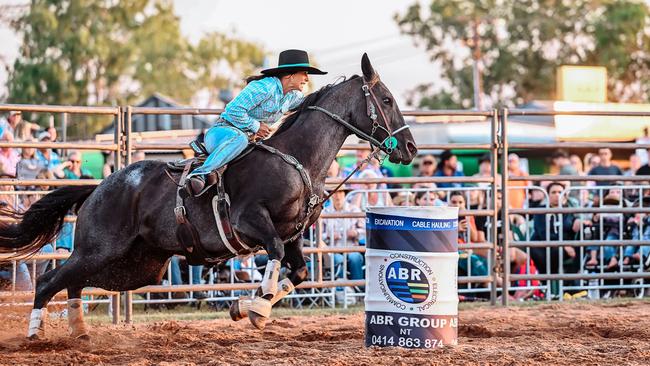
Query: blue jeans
column 41, row 265
column 195, row 277
column 23, row 279
column 643, row 250
column 224, row 143
column 608, row 251
column 355, row 265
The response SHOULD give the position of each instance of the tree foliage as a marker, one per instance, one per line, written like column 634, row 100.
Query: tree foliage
column 106, row 52
column 522, row 42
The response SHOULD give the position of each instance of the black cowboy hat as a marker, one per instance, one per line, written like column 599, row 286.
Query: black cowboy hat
column 291, row 61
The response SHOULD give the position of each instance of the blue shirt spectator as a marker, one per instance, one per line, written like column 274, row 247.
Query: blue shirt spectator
column 448, row 167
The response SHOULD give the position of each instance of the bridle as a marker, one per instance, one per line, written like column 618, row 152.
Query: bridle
column 387, row 145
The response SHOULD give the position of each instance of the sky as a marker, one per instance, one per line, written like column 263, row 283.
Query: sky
column 335, row 33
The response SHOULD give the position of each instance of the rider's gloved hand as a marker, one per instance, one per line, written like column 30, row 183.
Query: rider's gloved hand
column 263, row 132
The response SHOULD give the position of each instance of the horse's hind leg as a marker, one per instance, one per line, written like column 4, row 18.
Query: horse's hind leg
column 70, row 274
column 39, row 312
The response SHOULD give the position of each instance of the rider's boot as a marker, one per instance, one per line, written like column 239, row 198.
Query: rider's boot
column 195, row 184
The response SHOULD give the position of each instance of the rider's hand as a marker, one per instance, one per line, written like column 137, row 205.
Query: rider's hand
column 263, row 132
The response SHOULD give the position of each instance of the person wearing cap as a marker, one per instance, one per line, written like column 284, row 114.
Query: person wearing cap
column 264, row 100
column 10, row 123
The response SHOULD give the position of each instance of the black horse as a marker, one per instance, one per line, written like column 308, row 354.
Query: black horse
column 126, row 226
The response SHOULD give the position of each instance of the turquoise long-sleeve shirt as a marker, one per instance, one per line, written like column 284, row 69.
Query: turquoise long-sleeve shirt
column 260, row 101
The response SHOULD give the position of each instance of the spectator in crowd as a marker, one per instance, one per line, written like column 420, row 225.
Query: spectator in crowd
column 72, row 169
column 469, row 263
column 448, row 167
column 426, row 168
column 609, row 224
column 10, row 123
column 639, row 228
column 29, row 167
column 427, row 198
column 360, row 155
column 485, row 170
column 643, row 153
column 9, row 157
column 24, row 130
column 559, row 163
column 345, row 232
column 606, row 167
column 516, row 197
column 109, row 164
column 370, row 197
column 591, row 161
column 467, row 231
column 634, row 165
column 23, row 278
column 404, row 199
column 643, row 170
column 566, row 224
column 576, row 163
column 48, row 156
column 517, row 256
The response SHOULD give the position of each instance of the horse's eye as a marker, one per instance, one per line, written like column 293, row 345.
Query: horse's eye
column 387, row 101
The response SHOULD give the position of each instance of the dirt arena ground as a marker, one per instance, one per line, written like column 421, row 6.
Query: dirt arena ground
column 548, row 334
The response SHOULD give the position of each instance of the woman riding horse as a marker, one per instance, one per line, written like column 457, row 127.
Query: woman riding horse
column 127, row 225
column 261, row 103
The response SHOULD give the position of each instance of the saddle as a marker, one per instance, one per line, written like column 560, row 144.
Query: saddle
column 186, row 233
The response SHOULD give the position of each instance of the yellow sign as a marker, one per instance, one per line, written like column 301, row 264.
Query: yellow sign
column 600, row 128
column 582, row 84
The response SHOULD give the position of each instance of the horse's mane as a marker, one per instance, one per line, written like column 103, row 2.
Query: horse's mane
column 309, row 100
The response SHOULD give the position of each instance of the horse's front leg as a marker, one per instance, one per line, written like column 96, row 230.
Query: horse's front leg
column 256, row 223
column 296, row 262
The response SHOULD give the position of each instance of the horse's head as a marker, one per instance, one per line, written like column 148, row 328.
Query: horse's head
column 380, row 117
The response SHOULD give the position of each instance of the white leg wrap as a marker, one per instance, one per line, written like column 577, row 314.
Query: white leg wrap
column 271, row 275
column 77, row 326
column 261, row 306
column 285, row 288
column 37, row 323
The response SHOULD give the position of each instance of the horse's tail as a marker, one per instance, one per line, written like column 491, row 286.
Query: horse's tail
column 41, row 223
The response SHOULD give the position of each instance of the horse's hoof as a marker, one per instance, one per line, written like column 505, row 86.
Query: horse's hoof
column 34, row 337
column 239, row 309
column 235, row 314
column 257, row 320
column 82, row 337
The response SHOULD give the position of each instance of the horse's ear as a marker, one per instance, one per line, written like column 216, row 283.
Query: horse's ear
column 366, row 67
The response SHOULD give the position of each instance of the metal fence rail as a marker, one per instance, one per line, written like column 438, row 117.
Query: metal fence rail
column 323, row 281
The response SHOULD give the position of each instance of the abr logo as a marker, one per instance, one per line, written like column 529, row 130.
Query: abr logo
column 407, row 282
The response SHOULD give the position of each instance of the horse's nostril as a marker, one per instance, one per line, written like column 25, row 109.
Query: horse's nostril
column 410, row 146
